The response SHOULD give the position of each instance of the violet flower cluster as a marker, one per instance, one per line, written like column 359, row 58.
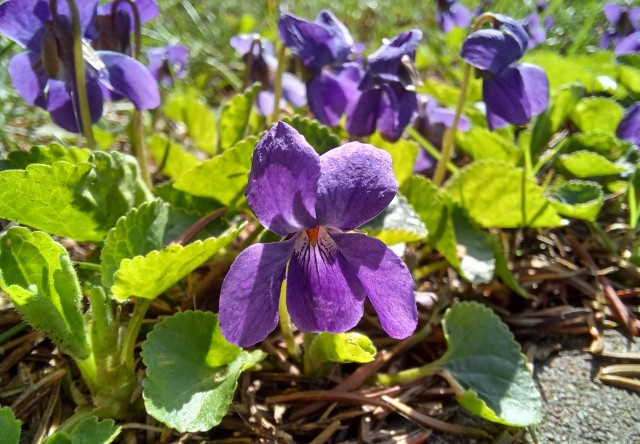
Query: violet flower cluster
column 624, row 28
column 450, row 14
column 262, row 65
column 44, row 75
column 379, row 95
column 513, row 92
column 315, row 202
column 629, row 127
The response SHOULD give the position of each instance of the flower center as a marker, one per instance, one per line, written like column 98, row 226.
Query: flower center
column 312, row 234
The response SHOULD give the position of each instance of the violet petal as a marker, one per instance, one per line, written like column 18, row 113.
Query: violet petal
column 65, row 112
column 283, row 181
column 386, row 280
column 629, row 127
column 356, row 184
column 251, row 292
column 30, row 84
column 323, row 292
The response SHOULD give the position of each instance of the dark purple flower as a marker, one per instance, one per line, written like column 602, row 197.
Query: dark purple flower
column 111, row 29
column 168, row 62
column 512, row 92
column 327, row 50
column 629, row 45
column 431, row 122
column 623, row 20
column 45, row 75
column 535, row 30
column 315, row 202
column 388, row 94
column 258, row 54
column 450, row 13
column 629, row 127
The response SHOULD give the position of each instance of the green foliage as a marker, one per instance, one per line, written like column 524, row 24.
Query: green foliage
column 223, row 177
column 197, row 117
column 342, row 348
column 403, row 155
column 149, row 227
column 192, row 371
column 588, row 164
column 486, row 361
column 554, row 117
column 397, row 223
column 499, row 195
column 36, row 273
column 234, row 117
column 597, row 114
column 171, row 156
column 480, row 143
column 10, row 426
column 577, row 198
column 81, row 201
column 183, row 201
column 477, row 261
column 321, row 138
column 88, row 431
column 147, row 276
column 48, row 155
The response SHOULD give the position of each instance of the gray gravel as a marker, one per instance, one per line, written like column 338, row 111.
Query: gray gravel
column 577, row 408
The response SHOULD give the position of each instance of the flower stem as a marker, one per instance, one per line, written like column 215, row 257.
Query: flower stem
column 408, row 375
column 78, row 63
column 278, row 85
column 449, row 135
column 285, row 326
column 138, row 144
column 133, row 328
column 430, row 148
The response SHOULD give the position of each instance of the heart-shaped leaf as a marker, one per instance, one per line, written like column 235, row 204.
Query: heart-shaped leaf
column 10, row 426
column 88, row 431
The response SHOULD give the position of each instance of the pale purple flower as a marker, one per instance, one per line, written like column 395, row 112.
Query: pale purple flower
column 535, row 30
column 388, row 89
column 168, row 62
column 257, row 52
column 513, row 92
column 623, row 21
column 629, row 127
column 315, row 202
column 44, row 75
column 327, row 50
column 629, row 45
column 431, row 121
column 111, row 28
column 450, row 13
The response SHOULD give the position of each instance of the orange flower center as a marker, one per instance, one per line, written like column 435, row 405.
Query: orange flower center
column 313, row 235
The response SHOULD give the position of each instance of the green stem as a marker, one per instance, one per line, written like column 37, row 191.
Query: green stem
column 285, row 326
column 430, row 148
column 278, row 85
column 408, row 375
column 80, row 76
column 634, row 206
column 88, row 266
column 449, row 135
column 603, row 238
column 6, row 335
column 137, row 124
column 133, row 329
column 89, row 372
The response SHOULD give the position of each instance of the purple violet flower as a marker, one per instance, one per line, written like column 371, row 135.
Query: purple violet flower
column 388, row 93
column 513, row 92
column 536, row 32
column 623, row 20
column 44, row 75
column 258, row 54
column 629, row 45
column 168, row 62
column 629, row 127
column 326, row 49
column 315, row 202
column 450, row 13
column 111, row 29
column 431, row 122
